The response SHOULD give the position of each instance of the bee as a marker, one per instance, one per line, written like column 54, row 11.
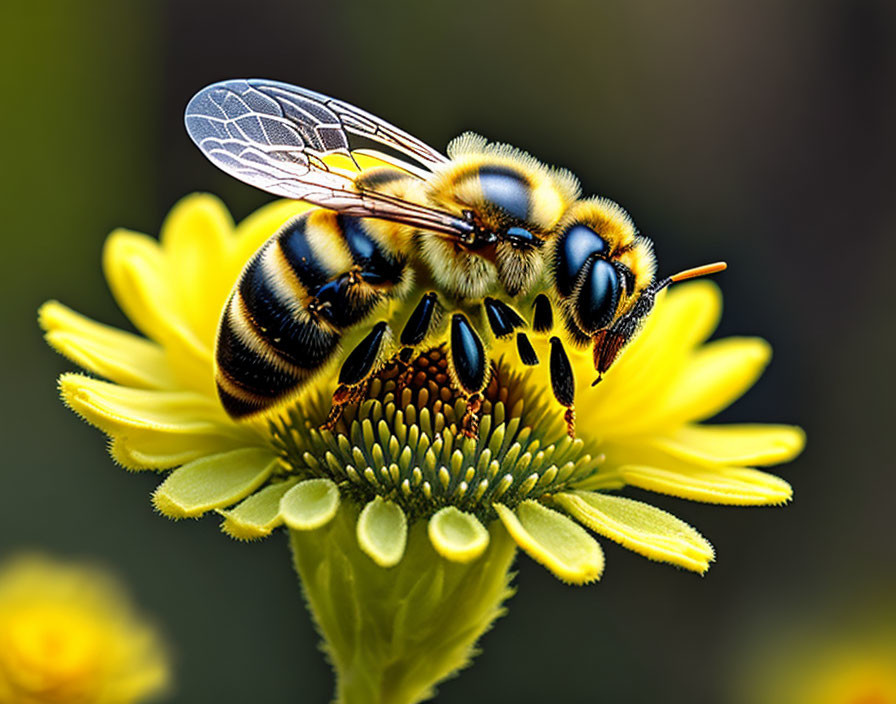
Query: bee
column 487, row 231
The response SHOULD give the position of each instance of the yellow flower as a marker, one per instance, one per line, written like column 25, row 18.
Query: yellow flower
column 403, row 529
column 844, row 653
column 68, row 635
column 397, row 457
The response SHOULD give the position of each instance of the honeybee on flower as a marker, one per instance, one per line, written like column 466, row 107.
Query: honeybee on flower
column 495, row 235
column 397, row 365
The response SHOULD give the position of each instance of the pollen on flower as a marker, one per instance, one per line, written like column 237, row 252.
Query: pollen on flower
column 403, row 442
column 68, row 635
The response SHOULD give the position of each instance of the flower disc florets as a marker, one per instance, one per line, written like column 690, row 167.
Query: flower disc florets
column 403, row 443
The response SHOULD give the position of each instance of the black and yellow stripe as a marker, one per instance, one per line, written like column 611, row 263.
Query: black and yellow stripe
column 318, row 276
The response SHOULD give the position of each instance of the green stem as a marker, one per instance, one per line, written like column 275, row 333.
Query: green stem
column 393, row 634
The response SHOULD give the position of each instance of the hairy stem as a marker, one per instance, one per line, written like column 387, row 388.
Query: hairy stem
column 393, row 634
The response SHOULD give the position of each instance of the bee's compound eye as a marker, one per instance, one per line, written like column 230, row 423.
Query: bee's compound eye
column 576, row 244
column 599, row 295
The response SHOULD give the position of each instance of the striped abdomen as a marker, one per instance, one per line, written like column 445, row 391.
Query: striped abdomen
column 320, row 274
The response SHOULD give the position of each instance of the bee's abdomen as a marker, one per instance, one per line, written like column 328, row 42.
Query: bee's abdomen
column 250, row 375
column 297, row 295
column 378, row 265
column 304, row 262
column 277, row 319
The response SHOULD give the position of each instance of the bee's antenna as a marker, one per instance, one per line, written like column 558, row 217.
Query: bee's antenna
column 704, row 270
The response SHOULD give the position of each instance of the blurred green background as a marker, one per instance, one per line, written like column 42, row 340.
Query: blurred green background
column 760, row 132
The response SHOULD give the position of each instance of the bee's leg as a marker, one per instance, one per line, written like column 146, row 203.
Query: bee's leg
column 415, row 331
column 356, row 370
column 469, row 370
column 527, row 353
column 563, row 383
column 542, row 314
column 542, row 323
column 469, row 424
column 502, row 319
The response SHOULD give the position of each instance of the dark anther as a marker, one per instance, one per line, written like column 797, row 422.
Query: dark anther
column 543, row 315
column 417, row 327
column 525, row 349
column 501, row 317
column 363, row 358
column 467, row 354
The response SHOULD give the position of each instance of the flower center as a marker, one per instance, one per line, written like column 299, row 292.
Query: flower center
column 403, row 442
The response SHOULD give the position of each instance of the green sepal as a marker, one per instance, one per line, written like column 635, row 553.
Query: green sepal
column 393, row 634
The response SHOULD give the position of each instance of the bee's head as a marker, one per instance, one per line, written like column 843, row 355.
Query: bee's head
column 599, row 265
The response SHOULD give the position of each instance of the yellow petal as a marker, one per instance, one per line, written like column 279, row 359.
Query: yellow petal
column 683, row 318
column 456, row 535
column 142, row 284
column 152, row 449
column 118, row 409
column 640, row 527
column 383, row 532
column 213, row 482
column 717, row 375
column 154, row 429
column 258, row 515
column 719, row 485
column 755, row 444
column 310, row 504
column 553, row 540
column 196, row 238
column 117, row 355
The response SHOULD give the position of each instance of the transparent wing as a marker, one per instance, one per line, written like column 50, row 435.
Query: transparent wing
column 275, row 136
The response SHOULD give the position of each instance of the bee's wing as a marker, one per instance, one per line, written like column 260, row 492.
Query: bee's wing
column 275, row 136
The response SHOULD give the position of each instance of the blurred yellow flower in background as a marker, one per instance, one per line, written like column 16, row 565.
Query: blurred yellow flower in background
column 69, row 635
column 846, row 654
